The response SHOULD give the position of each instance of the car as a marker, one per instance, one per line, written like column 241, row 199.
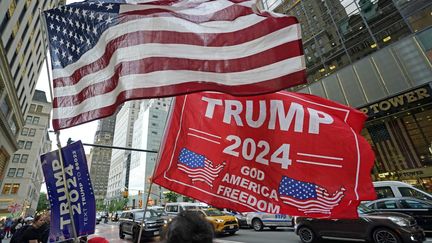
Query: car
column 161, row 213
column 259, row 220
column 130, row 222
column 221, row 222
column 421, row 210
column 241, row 218
column 386, row 189
column 371, row 226
column 177, row 207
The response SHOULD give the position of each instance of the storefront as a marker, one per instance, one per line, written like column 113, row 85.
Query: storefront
column 399, row 130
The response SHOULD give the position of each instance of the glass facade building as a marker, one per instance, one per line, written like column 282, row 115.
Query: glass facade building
column 374, row 55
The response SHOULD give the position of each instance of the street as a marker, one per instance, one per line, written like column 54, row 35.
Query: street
column 282, row 235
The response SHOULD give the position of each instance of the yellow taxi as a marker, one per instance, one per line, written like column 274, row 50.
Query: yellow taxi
column 221, row 222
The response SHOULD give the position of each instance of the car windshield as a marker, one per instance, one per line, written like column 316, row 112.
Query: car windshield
column 364, row 210
column 213, row 212
column 149, row 214
column 160, row 211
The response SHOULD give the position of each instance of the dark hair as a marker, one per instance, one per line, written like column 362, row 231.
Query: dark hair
column 189, row 227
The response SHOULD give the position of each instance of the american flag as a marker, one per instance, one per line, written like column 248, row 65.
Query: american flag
column 308, row 197
column 198, row 167
column 104, row 53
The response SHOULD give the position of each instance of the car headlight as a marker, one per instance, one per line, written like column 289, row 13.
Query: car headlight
column 143, row 225
column 219, row 220
column 236, row 219
column 399, row 221
column 165, row 221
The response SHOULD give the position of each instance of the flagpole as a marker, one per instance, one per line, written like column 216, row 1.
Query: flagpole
column 154, row 170
column 59, row 147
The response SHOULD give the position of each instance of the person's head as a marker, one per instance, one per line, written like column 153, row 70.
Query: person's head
column 38, row 220
column 189, row 227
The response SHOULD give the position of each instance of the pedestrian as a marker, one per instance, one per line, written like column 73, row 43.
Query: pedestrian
column 33, row 234
column 7, row 227
column 189, row 227
column 19, row 222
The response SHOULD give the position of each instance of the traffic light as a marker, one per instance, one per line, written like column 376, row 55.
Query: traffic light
column 125, row 194
column 140, row 203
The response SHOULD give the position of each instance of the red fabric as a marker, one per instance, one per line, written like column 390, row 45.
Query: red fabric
column 298, row 154
column 98, row 240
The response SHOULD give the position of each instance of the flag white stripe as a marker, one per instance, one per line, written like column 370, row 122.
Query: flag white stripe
column 199, row 10
column 320, row 156
column 206, row 133
column 318, row 163
column 318, row 201
column 213, row 172
column 203, row 138
column 338, row 194
column 196, row 175
column 157, row 24
column 312, row 202
column 162, row 78
column 209, row 174
column 309, row 206
column 138, row 52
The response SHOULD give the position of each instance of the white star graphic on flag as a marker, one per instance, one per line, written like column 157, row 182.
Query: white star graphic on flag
column 91, row 16
column 100, row 17
column 99, row 4
column 109, row 20
column 109, row 6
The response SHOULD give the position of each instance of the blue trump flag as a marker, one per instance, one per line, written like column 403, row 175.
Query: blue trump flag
column 82, row 199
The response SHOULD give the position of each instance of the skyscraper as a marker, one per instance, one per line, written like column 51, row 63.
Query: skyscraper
column 101, row 157
column 118, row 179
column 23, row 178
column 375, row 56
column 22, row 53
column 148, row 132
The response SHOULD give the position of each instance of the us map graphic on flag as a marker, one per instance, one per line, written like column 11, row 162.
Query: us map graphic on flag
column 198, row 167
column 308, row 197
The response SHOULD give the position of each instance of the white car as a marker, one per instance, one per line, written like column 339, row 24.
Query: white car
column 260, row 220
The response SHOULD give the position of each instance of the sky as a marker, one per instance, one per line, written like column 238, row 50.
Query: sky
column 84, row 132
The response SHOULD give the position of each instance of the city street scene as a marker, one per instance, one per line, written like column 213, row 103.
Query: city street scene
column 225, row 121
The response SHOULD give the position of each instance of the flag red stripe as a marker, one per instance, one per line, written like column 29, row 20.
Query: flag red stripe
column 208, row 171
column 153, row 64
column 178, row 89
column 168, row 37
column 193, row 174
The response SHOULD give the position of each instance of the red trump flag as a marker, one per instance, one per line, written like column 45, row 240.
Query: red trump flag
column 104, row 53
column 284, row 152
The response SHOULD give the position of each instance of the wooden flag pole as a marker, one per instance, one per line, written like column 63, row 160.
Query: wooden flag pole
column 59, row 147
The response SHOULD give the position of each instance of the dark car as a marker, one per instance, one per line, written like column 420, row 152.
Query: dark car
column 372, row 226
column 130, row 222
column 419, row 209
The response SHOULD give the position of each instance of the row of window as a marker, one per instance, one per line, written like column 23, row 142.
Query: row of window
column 32, row 120
column 15, row 172
column 36, row 108
column 10, row 188
column 25, row 144
column 22, row 158
column 28, row 132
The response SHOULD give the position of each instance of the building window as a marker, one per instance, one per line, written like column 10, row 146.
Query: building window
column 15, row 188
column 36, row 120
column 6, row 188
column 25, row 131
column 32, row 106
column 29, row 119
column 39, row 108
column 15, row 158
column 28, row 145
column 20, row 172
column 21, row 144
column 24, row 158
column 11, row 9
column 32, row 132
column 11, row 172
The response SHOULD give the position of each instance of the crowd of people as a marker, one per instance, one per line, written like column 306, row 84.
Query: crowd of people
column 187, row 227
column 32, row 230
